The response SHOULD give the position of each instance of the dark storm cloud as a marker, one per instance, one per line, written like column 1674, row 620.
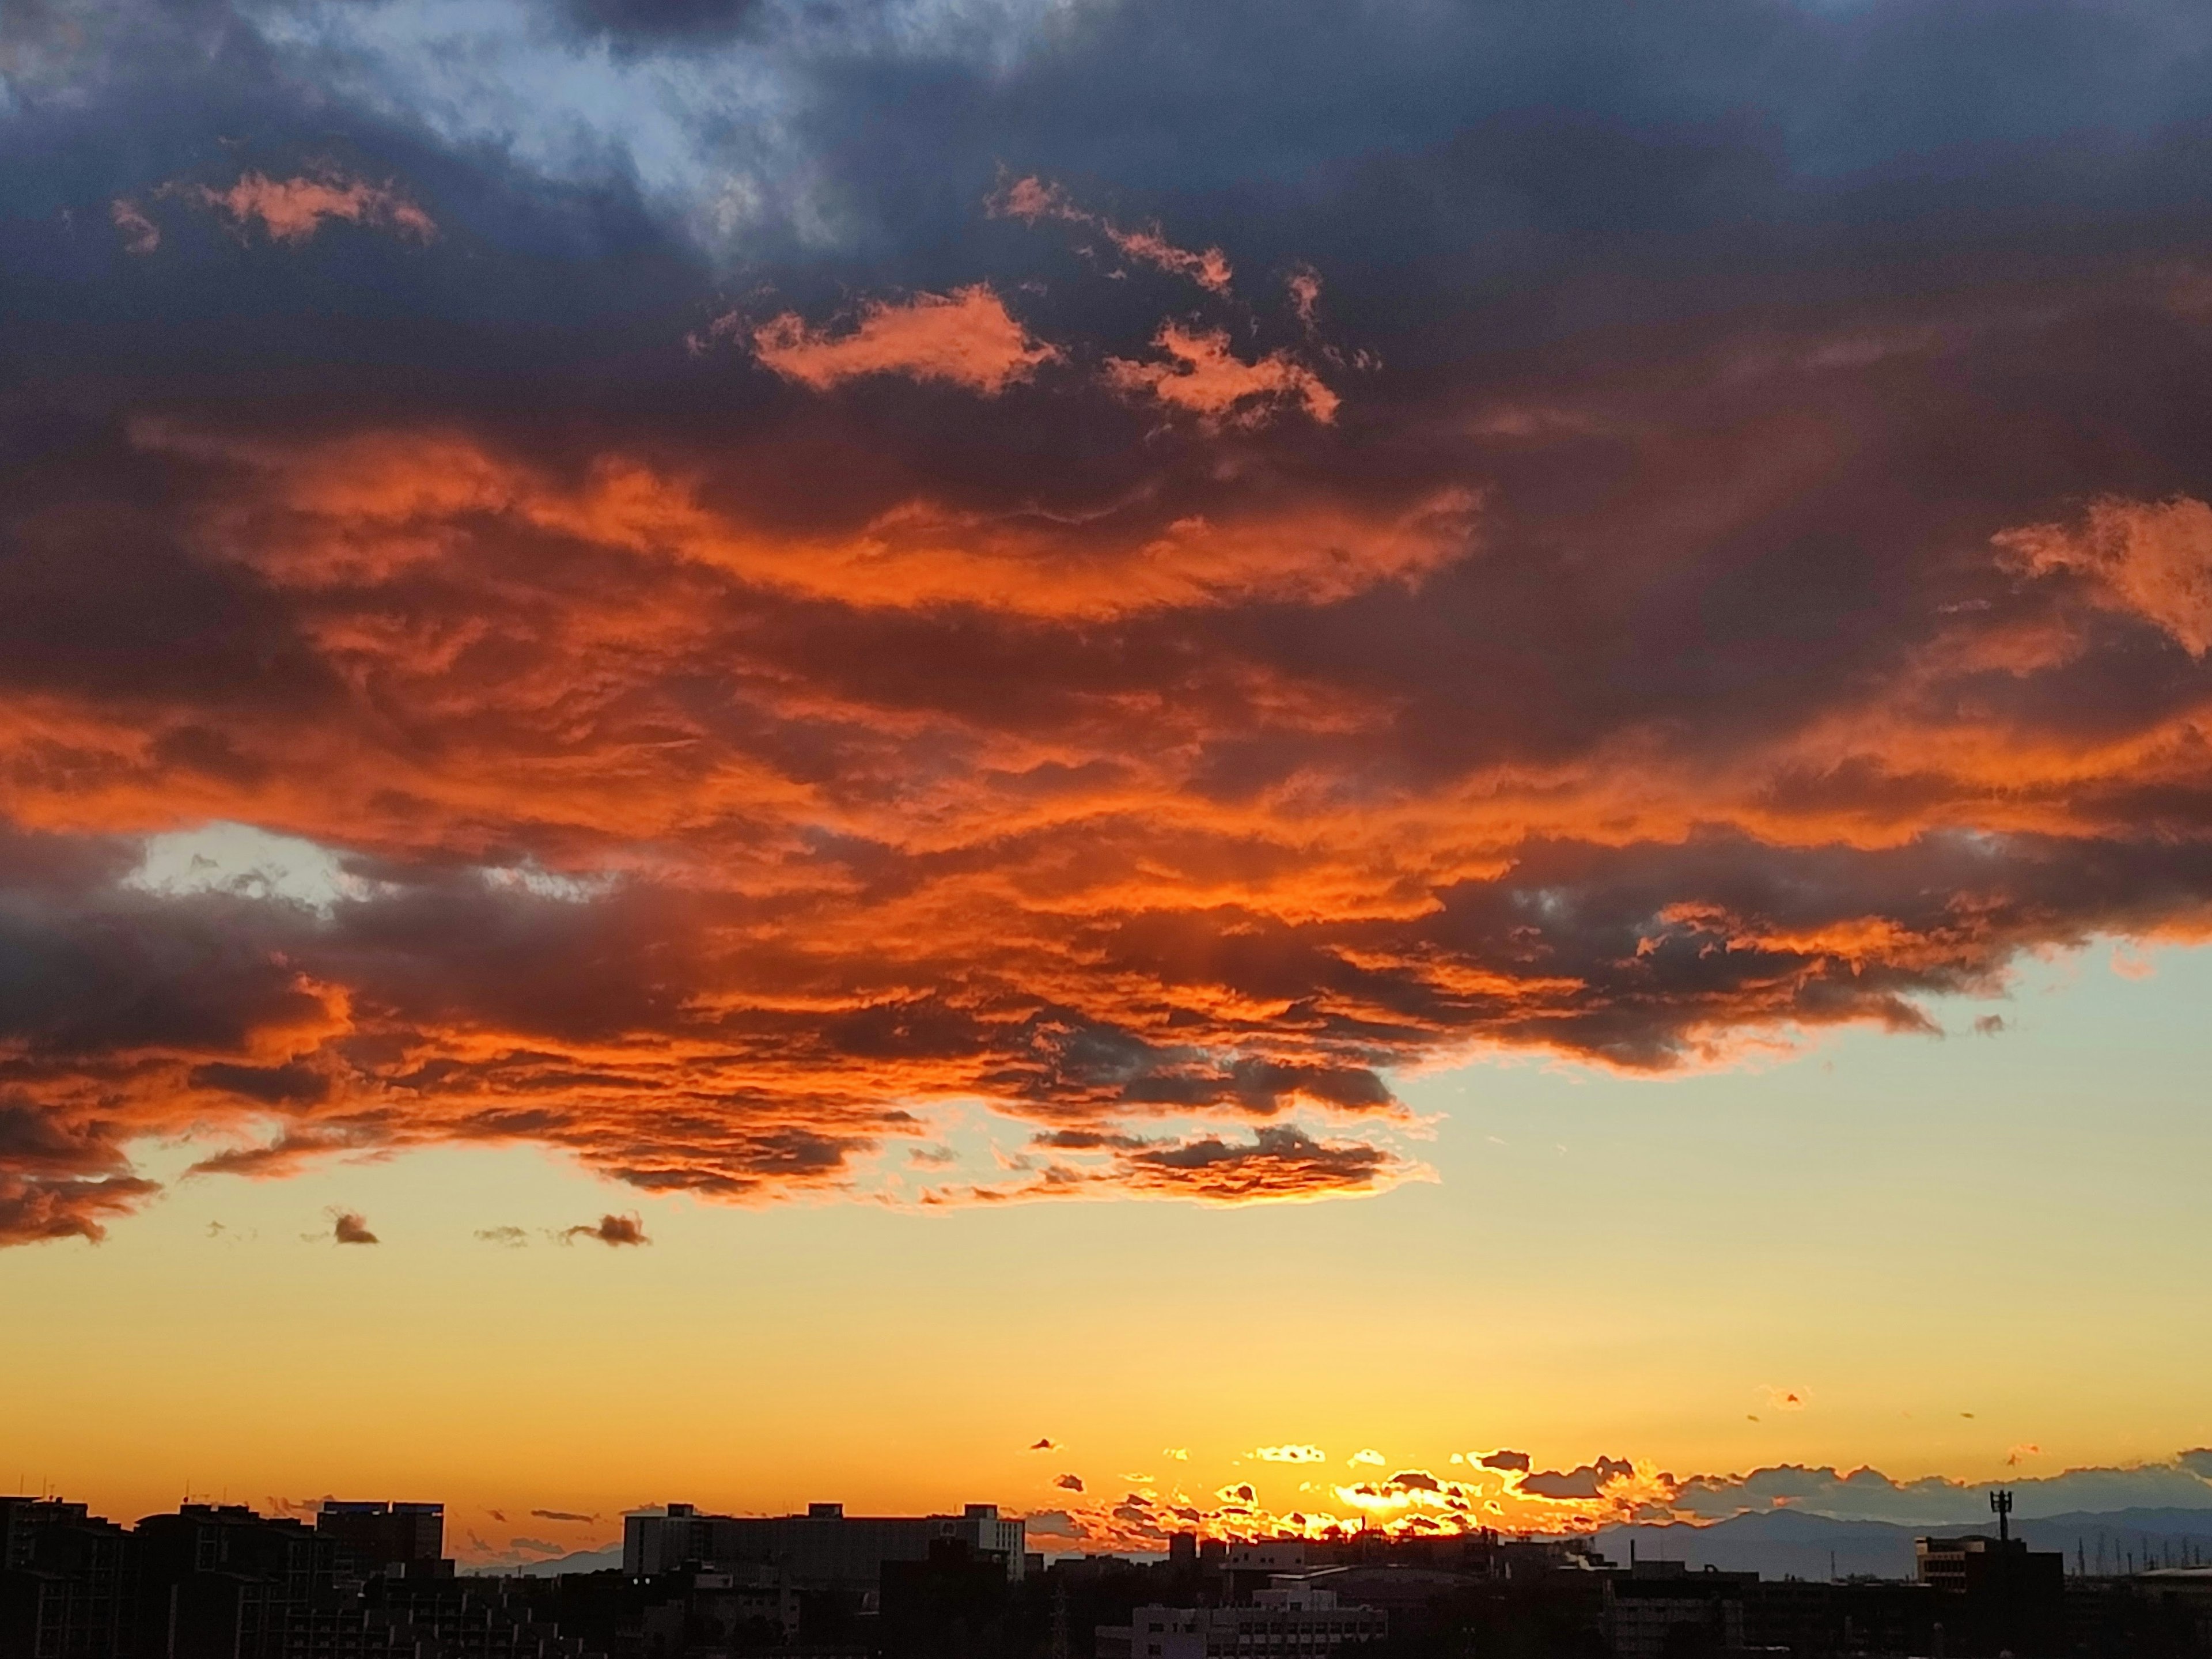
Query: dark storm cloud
column 1138, row 562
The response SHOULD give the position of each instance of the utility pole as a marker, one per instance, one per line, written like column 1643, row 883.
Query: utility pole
column 2000, row 1506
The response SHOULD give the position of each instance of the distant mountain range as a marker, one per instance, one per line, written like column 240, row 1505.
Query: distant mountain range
column 1795, row 1544
column 581, row 1561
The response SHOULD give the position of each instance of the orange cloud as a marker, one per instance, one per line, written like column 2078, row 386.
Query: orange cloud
column 1031, row 199
column 966, row 338
column 1206, row 378
column 378, row 507
column 2150, row 559
column 718, row 810
column 292, row 209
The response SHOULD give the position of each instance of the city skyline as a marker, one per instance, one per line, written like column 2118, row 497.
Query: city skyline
column 847, row 1284
column 1243, row 767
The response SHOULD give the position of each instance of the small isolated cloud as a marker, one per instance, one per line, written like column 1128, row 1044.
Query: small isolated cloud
column 609, row 1229
column 349, row 1227
column 1990, row 1025
column 512, row 1237
column 1045, row 1443
column 1783, row 1400
column 2022, row 1453
column 292, row 209
column 140, row 235
column 565, row 1515
column 2130, row 962
column 1204, row 376
column 1368, row 1454
column 1180, row 1454
column 1290, row 1454
column 1069, row 1482
column 1241, row 1493
column 1280, row 1162
column 965, row 338
column 1305, row 286
column 1516, row 1461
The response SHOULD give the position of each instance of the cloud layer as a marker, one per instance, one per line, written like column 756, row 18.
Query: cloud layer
column 1503, row 1491
column 762, row 624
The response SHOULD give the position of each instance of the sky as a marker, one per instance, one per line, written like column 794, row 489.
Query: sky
column 1240, row 766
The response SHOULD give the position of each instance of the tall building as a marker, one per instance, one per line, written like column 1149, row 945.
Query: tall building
column 219, row 1581
column 379, row 1537
column 823, row 1550
column 2003, row 1594
column 64, row 1582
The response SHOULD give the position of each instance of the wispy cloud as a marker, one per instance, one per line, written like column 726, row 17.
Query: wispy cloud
column 1032, row 198
column 1198, row 372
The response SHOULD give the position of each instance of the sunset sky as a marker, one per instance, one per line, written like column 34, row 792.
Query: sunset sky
column 1225, row 765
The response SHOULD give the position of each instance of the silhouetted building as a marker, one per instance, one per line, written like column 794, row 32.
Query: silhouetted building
column 381, row 1537
column 1821, row 1619
column 824, row 1550
column 1661, row 1608
column 1295, row 1614
column 1091, row 1568
column 1999, row 1593
column 2182, row 1596
column 219, row 1581
column 953, row 1605
column 64, row 1582
column 425, row 1618
column 1250, row 1567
